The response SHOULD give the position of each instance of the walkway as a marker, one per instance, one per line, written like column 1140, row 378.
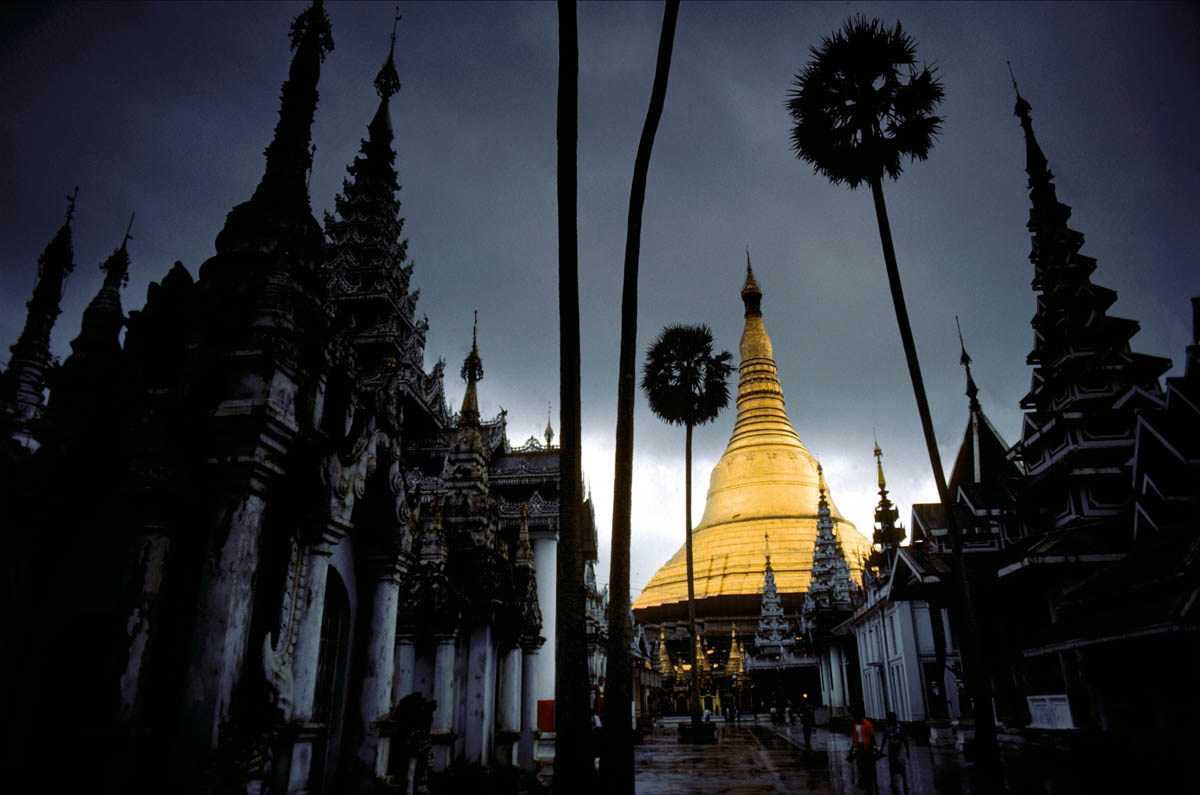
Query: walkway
column 752, row 759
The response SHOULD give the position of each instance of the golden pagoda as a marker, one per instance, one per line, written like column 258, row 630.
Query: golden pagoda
column 765, row 483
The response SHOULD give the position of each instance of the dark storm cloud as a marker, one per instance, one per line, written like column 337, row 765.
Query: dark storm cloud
column 165, row 109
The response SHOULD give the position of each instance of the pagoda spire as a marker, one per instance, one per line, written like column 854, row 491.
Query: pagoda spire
column 774, row 637
column 1035, row 162
column 23, row 384
column 972, row 392
column 733, row 664
column 278, row 215
column 549, row 432
column 103, row 318
column 366, row 266
column 888, row 534
column 664, row 657
column 831, row 583
column 1086, row 379
column 472, row 373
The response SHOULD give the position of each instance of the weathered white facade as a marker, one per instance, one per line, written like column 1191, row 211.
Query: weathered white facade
column 291, row 568
column 897, row 659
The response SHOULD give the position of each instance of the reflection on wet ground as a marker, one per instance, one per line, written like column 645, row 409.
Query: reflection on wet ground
column 752, row 759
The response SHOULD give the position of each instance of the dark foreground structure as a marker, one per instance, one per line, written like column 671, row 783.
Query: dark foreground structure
column 249, row 548
column 1081, row 540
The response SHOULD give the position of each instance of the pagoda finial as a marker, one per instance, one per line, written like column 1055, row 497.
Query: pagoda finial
column 549, row 433
column 116, row 267
column 1035, row 162
column 71, row 205
column 128, row 230
column 751, row 292
column 888, row 534
column 965, row 360
column 387, row 82
column 879, row 466
column 103, row 317
column 767, row 546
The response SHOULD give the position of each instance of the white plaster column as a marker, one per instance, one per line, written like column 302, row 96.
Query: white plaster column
column 545, row 566
column 529, row 655
column 508, row 718
column 306, row 655
column 222, row 626
column 152, row 560
column 404, row 682
column 443, row 694
column 481, row 695
column 380, row 662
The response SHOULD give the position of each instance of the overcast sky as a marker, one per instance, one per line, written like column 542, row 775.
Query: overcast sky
column 165, row 108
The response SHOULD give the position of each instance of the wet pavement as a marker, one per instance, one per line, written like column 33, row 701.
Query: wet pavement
column 761, row 758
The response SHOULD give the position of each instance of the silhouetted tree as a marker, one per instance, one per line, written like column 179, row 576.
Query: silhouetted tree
column 573, row 768
column 861, row 107
column 687, row 384
column 616, row 763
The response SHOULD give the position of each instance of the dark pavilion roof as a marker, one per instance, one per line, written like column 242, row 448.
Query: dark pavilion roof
column 983, row 475
column 1152, row 591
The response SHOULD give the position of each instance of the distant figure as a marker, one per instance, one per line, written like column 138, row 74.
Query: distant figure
column 597, row 734
column 862, row 751
column 893, row 739
column 808, row 719
column 707, row 714
column 789, row 713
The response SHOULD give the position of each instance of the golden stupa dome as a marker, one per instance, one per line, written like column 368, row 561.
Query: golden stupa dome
column 763, row 490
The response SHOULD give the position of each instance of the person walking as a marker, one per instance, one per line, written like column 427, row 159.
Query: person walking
column 893, row 740
column 862, row 751
column 808, row 719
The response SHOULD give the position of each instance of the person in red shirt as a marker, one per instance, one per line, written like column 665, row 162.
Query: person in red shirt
column 862, row 751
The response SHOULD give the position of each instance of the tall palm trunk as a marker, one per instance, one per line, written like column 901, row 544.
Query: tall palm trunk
column 616, row 765
column 694, row 695
column 978, row 678
column 572, row 760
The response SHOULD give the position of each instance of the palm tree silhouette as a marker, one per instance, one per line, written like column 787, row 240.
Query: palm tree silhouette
column 861, row 107
column 573, row 769
column 616, row 762
column 687, row 384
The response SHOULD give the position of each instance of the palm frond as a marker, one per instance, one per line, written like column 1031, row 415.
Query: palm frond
column 685, row 382
column 862, row 106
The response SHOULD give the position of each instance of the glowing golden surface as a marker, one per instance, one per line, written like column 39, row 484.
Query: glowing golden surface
column 765, row 483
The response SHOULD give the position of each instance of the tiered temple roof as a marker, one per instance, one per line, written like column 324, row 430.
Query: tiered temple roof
column 1087, row 385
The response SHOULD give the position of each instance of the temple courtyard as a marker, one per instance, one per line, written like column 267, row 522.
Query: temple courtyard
column 760, row 758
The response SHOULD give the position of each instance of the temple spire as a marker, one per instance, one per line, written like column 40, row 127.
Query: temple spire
column 1035, row 162
column 366, row 265
column 472, row 373
column 1087, row 383
column 23, row 384
column 774, row 637
column 549, row 433
column 279, row 209
column 972, row 392
column 888, row 534
column 103, row 318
